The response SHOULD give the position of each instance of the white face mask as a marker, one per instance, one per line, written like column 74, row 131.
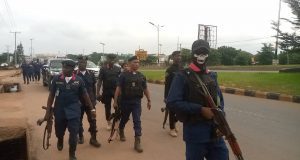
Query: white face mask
column 201, row 58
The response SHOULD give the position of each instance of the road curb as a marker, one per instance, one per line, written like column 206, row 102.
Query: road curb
column 250, row 93
column 259, row 94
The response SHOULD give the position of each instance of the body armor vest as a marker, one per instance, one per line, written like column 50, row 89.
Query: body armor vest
column 133, row 85
column 194, row 93
column 110, row 78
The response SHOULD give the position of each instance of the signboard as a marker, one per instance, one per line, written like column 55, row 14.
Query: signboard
column 141, row 54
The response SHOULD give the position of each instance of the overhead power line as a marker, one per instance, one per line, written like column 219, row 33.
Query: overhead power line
column 247, row 40
column 10, row 15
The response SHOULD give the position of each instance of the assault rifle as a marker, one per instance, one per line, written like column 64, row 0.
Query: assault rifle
column 115, row 124
column 165, row 109
column 221, row 122
column 48, row 127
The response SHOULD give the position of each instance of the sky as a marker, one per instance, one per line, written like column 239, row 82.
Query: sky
column 78, row 27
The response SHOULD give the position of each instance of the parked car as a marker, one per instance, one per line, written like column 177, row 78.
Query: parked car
column 52, row 68
column 91, row 66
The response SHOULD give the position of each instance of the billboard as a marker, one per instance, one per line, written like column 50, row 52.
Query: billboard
column 141, row 54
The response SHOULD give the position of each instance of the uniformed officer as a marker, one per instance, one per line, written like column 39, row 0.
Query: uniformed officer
column 25, row 72
column 131, row 86
column 108, row 75
column 169, row 75
column 90, row 84
column 187, row 100
column 67, row 89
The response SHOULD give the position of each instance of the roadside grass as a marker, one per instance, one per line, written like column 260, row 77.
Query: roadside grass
column 285, row 83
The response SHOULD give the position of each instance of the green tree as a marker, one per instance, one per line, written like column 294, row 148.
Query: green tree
column 214, row 57
column 95, row 57
column 290, row 42
column 19, row 54
column 266, row 54
column 3, row 58
column 228, row 55
column 72, row 56
column 149, row 60
column 243, row 58
column 186, row 56
column 282, row 57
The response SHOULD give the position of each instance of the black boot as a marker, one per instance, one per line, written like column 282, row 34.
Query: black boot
column 93, row 141
column 72, row 150
column 60, row 144
column 137, row 144
column 122, row 135
column 80, row 139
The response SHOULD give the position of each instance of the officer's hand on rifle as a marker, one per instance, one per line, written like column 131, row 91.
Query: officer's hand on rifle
column 149, row 104
column 40, row 121
column 115, row 105
column 207, row 113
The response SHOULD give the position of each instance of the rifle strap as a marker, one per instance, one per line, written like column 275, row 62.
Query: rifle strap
column 204, row 88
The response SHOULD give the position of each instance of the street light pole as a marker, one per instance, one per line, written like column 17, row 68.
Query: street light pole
column 31, row 48
column 103, row 44
column 278, row 23
column 157, row 27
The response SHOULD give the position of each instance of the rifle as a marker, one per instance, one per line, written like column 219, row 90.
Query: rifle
column 48, row 128
column 221, row 122
column 165, row 109
column 116, row 119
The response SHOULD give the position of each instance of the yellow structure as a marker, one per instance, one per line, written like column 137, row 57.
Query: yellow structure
column 141, row 54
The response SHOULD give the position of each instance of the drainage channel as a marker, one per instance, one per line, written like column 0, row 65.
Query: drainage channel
column 13, row 144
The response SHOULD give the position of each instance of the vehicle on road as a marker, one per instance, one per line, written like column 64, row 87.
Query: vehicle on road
column 52, row 68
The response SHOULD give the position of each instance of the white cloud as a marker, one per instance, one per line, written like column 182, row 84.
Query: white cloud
column 123, row 26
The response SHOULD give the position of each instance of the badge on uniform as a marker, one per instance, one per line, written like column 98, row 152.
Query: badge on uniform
column 133, row 84
column 57, row 93
column 68, row 86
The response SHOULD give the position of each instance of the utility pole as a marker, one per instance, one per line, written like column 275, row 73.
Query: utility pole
column 7, row 50
column 31, row 48
column 177, row 43
column 103, row 44
column 278, row 23
column 157, row 27
column 15, row 52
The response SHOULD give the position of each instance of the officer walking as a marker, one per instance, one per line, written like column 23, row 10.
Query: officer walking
column 187, row 100
column 131, row 86
column 169, row 75
column 67, row 89
column 25, row 72
column 90, row 84
column 108, row 75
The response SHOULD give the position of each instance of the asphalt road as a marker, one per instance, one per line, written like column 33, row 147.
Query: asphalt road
column 265, row 130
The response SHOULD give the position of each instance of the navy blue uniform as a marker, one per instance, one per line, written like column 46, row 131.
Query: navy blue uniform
column 198, row 133
column 109, row 76
column 37, row 71
column 169, row 75
column 25, row 70
column 67, row 108
column 132, row 86
column 90, row 85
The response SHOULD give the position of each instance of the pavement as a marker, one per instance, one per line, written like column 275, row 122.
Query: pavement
column 250, row 93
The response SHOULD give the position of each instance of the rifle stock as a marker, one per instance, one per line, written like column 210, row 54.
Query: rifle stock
column 48, row 128
column 114, row 127
column 221, row 122
column 224, row 128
